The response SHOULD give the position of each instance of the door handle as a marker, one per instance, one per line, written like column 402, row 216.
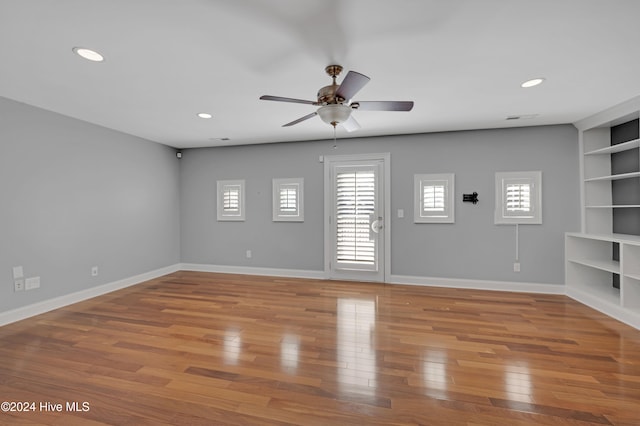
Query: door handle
column 377, row 225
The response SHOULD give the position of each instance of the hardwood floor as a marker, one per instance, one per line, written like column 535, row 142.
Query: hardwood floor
column 199, row 348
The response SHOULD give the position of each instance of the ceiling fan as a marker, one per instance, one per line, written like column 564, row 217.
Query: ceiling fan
column 335, row 101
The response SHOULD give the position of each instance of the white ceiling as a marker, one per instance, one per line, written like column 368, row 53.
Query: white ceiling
column 461, row 61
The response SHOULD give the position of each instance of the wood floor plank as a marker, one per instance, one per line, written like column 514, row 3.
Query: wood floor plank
column 206, row 348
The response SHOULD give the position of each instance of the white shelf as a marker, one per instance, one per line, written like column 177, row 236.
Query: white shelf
column 604, row 265
column 615, row 148
column 614, row 177
column 589, row 264
column 610, row 237
column 625, row 206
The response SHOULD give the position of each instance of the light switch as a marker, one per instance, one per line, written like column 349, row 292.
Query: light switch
column 400, row 213
column 18, row 272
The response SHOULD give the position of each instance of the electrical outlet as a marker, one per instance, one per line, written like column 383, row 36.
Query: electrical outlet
column 94, row 271
column 31, row 283
column 18, row 284
column 248, row 254
column 516, row 267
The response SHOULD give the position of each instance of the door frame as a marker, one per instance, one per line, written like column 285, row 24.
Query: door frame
column 329, row 161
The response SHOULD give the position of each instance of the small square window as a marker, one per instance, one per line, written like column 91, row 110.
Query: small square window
column 434, row 201
column 230, row 200
column 518, row 198
column 288, row 200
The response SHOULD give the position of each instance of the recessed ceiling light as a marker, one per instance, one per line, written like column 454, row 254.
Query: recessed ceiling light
column 204, row 115
column 532, row 82
column 88, row 54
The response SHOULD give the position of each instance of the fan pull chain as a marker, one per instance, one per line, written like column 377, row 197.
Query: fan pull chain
column 335, row 140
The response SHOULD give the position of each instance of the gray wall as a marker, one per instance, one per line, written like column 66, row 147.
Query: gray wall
column 472, row 248
column 289, row 245
column 74, row 195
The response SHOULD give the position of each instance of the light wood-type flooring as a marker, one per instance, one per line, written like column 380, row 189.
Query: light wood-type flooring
column 215, row 349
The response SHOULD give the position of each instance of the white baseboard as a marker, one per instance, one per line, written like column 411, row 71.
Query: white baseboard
column 68, row 299
column 519, row 287
column 391, row 279
column 249, row 270
column 610, row 309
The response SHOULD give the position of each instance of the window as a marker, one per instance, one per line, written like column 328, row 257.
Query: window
column 231, row 200
column 288, row 201
column 518, row 198
column 434, row 201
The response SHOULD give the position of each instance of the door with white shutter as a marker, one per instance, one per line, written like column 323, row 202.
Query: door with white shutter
column 355, row 218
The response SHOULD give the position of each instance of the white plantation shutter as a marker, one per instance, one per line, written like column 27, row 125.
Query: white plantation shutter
column 518, row 197
column 230, row 205
column 231, row 199
column 355, row 209
column 356, row 196
column 433, row 198
column 288, row 200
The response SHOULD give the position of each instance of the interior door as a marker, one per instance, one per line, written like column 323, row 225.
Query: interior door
column 355, row 236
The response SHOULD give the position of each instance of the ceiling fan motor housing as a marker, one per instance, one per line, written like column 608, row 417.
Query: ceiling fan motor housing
column 327, row 95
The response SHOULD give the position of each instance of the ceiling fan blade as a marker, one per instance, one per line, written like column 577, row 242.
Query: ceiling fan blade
column 281, row 99
column 306, row 117
column 352, row 83
column 383, row 105
column 351, row 124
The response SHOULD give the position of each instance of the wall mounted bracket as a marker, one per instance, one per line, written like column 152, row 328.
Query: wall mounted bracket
column 470, row 198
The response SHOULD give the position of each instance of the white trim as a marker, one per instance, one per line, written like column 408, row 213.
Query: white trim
column 534, row 180
column 221, row 214
column 517, row 287
column 583, row 198
column 328, row 160
column 79, row 296
column 617, row 114
column 609, row 309
column 250, row 270
column 448, row 182
column 277, row 184
column 393, row 279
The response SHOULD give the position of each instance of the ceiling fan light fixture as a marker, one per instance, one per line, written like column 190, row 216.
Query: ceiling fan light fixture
column 334, row 113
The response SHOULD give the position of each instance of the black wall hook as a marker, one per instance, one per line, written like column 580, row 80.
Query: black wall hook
column 470, row 198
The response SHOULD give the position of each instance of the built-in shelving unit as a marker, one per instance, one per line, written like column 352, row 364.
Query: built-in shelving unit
column 602, row 265
column 590, row 268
